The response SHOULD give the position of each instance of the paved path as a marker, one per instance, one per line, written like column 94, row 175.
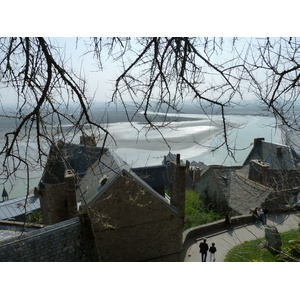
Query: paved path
column 226, row 240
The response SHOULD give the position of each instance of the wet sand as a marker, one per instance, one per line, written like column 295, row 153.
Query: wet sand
column 140, row 145
column 178, row 136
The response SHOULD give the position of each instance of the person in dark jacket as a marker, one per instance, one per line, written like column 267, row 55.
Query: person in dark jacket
column 203, row 250
column 212, row 251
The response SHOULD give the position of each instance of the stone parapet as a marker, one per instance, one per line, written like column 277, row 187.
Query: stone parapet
column 214, row 227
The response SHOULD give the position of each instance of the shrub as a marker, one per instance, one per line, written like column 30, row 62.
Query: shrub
column 291, row 252
column 196, row 213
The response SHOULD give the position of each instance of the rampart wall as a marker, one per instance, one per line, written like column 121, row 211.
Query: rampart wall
column 191, row 234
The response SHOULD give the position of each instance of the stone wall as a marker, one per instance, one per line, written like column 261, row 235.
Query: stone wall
column 134, row 224
column 66, row 241
column 213, row 227
column 190, row 235
column 54, row 204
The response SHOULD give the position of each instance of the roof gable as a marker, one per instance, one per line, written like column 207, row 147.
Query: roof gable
column 129, row 201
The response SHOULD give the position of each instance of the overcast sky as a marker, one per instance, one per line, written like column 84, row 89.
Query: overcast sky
column 130, row 18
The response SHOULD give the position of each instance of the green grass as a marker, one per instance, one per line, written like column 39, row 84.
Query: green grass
column 252, row 251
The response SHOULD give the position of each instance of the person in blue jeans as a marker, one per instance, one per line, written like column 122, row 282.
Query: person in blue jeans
column 203, row 250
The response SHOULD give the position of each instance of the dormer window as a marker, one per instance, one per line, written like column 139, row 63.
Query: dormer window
column 103, row 180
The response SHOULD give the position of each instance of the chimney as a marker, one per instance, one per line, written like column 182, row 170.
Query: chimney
column 178, row 185
column 70, row 193
column 259, row 172
column 258, row 141
column 188, row 164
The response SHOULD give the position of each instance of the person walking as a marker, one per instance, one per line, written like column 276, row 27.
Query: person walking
column 203, row 250
column 265, row 215
column 213, row 251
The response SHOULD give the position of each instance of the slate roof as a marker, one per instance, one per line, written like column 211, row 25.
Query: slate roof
column 78, row 157
column 222, row 176
column 100, row 175
column 170, row 157
column 199, row 165
column 103, row 174
column 11, row 209
column 96, row 168
column 241, row 194
column 279, row 157
column 245, row 194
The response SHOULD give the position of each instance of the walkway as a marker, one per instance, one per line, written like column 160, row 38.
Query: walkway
column 226, row 240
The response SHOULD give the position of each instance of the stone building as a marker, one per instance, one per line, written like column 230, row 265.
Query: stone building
column 194, row 170
column 130, row 220
column 269, row 176
column 276, row 166
column 277, row 156
column 229, row 189
column 57, row 202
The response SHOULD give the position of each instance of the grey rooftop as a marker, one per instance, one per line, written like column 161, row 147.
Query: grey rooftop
column 11, row 209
